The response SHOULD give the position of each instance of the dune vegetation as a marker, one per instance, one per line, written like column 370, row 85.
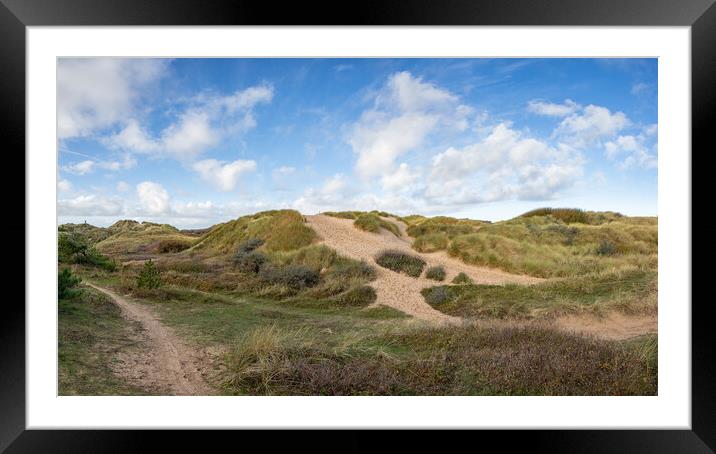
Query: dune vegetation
column 288, row 315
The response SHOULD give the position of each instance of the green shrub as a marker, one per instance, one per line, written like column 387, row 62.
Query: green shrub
column 171, row 246
column 149, row 277
column 71, row 248
column 248, row 246
column 566, row 215
column 251, row 262
column 358, row 296
column 295, row 277
column 346, row 269
column 606, row 248
column 462, row 278
column 436, row 273
column 401, row 262
column 437, row 296
column 66, row 283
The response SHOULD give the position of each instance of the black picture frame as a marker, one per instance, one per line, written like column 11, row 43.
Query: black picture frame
column 16, row 15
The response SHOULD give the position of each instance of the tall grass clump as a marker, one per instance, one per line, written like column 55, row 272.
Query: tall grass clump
column 462, row 278
column 150, row 276
column 436, row 273
column 401, row 262
column 371, row 222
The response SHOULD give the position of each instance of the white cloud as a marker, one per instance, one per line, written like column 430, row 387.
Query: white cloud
column 331, row 195
column 90, row 205
column 122, row 186
column 153, row 198
column 640, row 88
column 401, row 179
column 591, row 124
column 80, row 168
column 64, row 185
column 406, row 110
column 553, row 110
column 630, row 151
column 194, row 209
column 223, row 176
column 505, row 165
column 96, row 93
column 207, row 120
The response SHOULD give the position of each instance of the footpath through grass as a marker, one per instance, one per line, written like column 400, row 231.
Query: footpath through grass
column 91, row 333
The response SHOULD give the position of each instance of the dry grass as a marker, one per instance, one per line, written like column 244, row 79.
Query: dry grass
column 371, row 222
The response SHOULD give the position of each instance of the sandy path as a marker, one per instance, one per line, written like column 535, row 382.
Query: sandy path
column 394, row 289
column 614, row 326
column 168, row 365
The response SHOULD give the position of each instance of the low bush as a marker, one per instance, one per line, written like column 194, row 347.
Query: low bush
column 67, row 283
column 462, row 278
column 401, row 262
column 295, row 277
column 72, row 248
column 251, row 262
column 566, row 215
column 436, row 273
column 149, row 277
column 606, row 248
column 437, row 296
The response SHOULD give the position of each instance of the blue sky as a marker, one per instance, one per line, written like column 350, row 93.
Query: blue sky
column 193, row 142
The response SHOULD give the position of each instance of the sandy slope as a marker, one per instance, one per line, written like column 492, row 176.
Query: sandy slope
column 167, row 365
column 394, row 289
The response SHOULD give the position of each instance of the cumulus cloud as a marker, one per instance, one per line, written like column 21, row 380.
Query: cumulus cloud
column 96, row 93
column 64, row 185
column 504, row 165
column 204, row 123
column 630, row 151
column 330, row 195
column 123, row 186
column 406, row 110
column 401, row 179
column 80, row 168
column 223, row 176
column 153, row 198
column 553, row 110
column 591, row 124
column 90, row 205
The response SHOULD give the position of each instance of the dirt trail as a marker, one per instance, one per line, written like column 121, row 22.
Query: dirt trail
column 167, row 365
column 614, row 326
column 394, row 289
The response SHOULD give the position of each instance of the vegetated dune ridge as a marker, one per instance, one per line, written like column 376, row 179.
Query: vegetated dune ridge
column 169, row 366
column 399, row 290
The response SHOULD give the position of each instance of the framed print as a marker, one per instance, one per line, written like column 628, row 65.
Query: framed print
column 411, row 217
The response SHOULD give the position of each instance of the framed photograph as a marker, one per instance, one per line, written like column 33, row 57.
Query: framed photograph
column 418, row 216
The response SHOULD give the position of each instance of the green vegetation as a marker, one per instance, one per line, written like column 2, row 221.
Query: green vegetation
column 173, row 245
column 72, row 248
column 131, row 237
column 149, row 277
column 371, row 222
column 281, row 230
column 357, row 214
column 630, row 291
column 401, row 262
column 434, row 234
column 437, row 361
column 91, row 332
column 462, row 278
column 67, row 283
column 436, row 273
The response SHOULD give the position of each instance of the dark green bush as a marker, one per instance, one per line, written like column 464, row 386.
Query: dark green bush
column 606, row 248
column 149, row 277
column 437, row 295
column 251, row 262
column 462, row 278
column 348, row 269
column 295, row 277
column 249, row 246
column 401, row 262
column 71, row 248
column 66, row 283
column 436, row 273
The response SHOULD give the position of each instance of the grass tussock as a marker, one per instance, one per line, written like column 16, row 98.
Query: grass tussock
column 462, row 278
column 401, row 262
column 436, row 273
column 631, row 291
column 371, row 222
